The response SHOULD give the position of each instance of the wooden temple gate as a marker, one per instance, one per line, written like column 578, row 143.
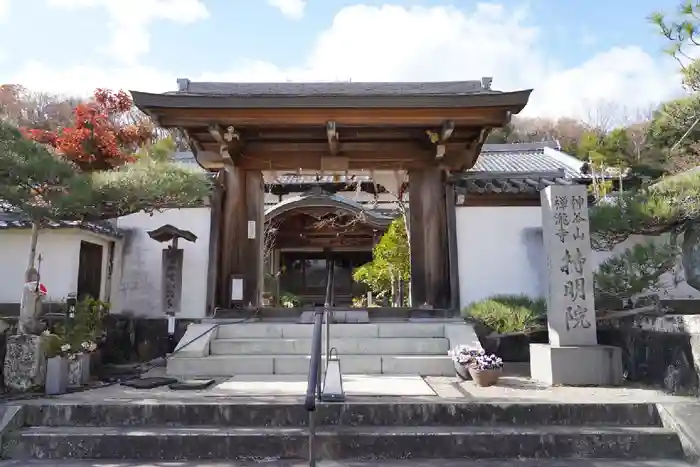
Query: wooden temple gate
column 242, row 129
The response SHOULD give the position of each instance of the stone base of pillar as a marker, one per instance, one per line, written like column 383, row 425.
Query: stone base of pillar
column 591, row 365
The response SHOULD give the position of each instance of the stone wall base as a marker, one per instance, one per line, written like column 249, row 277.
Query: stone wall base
column 594, row 365
column 670, row 360
column 25, row 363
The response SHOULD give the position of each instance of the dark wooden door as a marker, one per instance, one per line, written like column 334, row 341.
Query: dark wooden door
column 90, row 270
column 305, row 274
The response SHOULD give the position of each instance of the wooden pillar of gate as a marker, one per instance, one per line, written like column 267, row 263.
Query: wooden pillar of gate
column 430, row 282
column 241, row 242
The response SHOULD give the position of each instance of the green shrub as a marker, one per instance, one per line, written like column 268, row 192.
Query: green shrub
column 508, row 313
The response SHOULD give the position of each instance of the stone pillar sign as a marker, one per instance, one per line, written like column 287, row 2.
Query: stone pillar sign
column 573, row 356
column 571, row 310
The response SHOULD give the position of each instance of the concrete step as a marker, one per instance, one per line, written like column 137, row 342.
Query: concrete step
column 365, row 443
column 371, row 463
column 304, row 331
column 345, row 346
column 229, row 365
column 251, row 414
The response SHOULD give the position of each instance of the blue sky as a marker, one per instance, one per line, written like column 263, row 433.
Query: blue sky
column 548, row 44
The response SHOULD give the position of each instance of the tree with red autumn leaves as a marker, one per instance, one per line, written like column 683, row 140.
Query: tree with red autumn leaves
column 107, row 163
column 103, row 134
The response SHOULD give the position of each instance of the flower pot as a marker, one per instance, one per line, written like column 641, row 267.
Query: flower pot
column 85, row 367
column 485, row 378
column 462, row 371
column 56, row 375
column 79, row 370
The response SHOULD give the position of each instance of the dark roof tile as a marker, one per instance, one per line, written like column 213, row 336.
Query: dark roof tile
column 521, row 161
column 526, row 186
column 9, row 220
column 349, row 88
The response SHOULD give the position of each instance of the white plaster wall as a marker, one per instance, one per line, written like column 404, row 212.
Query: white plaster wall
column 60, row 250
column 139, row 290
column 499, row 251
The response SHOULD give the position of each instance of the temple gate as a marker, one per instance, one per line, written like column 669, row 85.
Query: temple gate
column 240, row 130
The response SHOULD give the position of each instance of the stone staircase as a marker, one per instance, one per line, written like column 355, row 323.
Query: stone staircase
column 389, row 348
column 374, row 432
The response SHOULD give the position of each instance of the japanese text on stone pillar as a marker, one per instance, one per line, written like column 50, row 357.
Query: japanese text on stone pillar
column 569, row 214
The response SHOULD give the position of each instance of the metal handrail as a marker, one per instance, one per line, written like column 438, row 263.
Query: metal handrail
column 314, row 381
column 313, row 386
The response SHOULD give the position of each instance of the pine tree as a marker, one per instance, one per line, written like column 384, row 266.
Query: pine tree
column 105, row 165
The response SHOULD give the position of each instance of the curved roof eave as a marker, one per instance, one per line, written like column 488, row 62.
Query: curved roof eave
column 514, row 101
column 328, row 201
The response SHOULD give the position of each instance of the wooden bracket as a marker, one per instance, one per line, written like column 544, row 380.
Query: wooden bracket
column 439, row 139
column 230, row 142
column 194, row 144
column 448, row 128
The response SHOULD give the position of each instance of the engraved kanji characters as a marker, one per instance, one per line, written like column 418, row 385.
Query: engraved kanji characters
column 577, row 204
column 561, row 203
column 575, row 289
column 577, row 260
column 577, row 317
column 561, row 222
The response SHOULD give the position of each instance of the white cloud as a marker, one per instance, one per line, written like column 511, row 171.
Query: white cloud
column 83, row 80
column 129, row 21
column 413, row 44
column 292, row 9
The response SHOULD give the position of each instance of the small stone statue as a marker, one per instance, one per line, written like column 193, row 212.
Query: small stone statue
column 30, row 308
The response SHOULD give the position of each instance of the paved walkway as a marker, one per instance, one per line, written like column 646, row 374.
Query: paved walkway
column 514, row 386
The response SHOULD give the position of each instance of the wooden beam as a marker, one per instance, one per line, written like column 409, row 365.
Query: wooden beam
column 232, row 230
column 297, row 117
column 215, row 298
column 253, row 271
column 332, row 134
column 429, row 250
column 452, row 245
column 293, row 162
column 265, row 147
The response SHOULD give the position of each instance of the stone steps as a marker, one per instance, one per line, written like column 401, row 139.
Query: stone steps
column 304, row 331
column 226, row 365
column 250, row 413
column 259, row 348
column 248, row 431
column 371, row 463
column 345, row 346
column 340, row 442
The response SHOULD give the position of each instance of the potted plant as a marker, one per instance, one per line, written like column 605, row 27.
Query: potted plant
column 507, row 324
column 57, row 351
column 87, row 331
column 462, row 356
column 485, row 369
